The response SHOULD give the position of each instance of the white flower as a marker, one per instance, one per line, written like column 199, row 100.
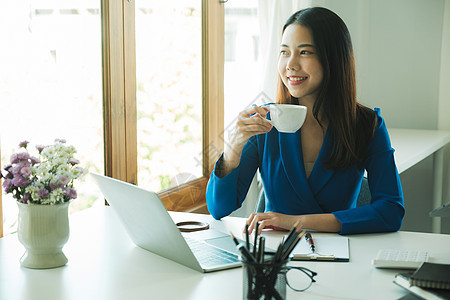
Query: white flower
column 54, row 172
column 77, row 172
column 63, row 169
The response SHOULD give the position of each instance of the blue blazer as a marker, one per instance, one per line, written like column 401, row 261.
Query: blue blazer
column 279, row 158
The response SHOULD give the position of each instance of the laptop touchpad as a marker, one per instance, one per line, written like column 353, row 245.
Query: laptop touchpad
column 205, row 234
column 225, row 243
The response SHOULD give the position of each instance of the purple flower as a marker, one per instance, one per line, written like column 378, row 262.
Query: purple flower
column 71, row 193
column 63, row 180
column 18, row 157
column 23, row 156
column 14, row 159
column 62, row 141
column 23, row 144
column 73, row 161
column 26, row 171
column 16, row 170
column 43, row 193
column 20, row 181
column 25, row 199
column 34, row 160
column 40, row 148
column 54, row 186
column 7, row 184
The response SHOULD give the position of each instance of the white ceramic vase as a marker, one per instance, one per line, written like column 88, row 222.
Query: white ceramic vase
column 43, row 230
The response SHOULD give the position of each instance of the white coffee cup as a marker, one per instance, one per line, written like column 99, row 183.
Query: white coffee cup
column 287, row 118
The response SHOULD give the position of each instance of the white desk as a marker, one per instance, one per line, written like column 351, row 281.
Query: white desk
column 414, row 145
column 105, row 264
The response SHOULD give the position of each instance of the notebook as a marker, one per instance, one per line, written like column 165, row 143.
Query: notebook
column 431, row 275
column 150, row 227
column 402, row 280
column 327, row 248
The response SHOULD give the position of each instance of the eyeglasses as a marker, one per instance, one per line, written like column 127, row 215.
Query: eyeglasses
column 299, row 278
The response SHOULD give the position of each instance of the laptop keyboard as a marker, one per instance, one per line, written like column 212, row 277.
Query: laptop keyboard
column 209, row 256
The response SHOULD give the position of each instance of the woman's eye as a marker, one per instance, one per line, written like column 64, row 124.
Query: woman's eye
column 283, row 52
column 306, row 52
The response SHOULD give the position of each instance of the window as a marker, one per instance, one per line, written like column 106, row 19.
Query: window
column 169, row 92
column 50, row 84
column 67, row 64
column 243, row 63
column 124, row 143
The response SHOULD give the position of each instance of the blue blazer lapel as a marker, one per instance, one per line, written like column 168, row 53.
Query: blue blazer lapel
column 320, row 175
column 292, row 160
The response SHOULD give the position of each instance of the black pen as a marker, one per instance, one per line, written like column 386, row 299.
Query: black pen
column 308, row 237
column 247, row 239
column 246, row 254
column 290, row 238
column 278, row 253
column 256, row 239
column 292, row 235
column 262, row 244
column 293, row 244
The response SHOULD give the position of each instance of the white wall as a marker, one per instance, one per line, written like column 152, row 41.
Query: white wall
column 444, row 104
column 402, row 51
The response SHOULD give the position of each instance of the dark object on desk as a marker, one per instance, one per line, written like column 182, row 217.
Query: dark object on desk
column 431, row 275
column 402, row 280
column 441, row 211
column 267, row 278
column 191, row 226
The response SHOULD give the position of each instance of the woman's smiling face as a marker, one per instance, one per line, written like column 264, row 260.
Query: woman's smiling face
column 298, row 64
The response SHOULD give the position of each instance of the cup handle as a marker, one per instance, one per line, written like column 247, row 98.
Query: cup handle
column 268, row 120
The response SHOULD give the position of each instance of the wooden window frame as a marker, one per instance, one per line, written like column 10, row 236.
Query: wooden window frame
column 119, row 99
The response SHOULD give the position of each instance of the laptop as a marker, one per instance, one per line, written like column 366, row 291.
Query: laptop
column 150, row 227
column 441, row 211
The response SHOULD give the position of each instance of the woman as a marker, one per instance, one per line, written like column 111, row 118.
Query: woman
column 314, row 175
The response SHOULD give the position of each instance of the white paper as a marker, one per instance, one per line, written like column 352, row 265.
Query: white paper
column 335, row 246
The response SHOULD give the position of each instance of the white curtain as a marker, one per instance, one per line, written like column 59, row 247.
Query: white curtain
column 272, row 16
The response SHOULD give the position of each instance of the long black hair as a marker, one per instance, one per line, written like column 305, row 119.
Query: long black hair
column 352, row 125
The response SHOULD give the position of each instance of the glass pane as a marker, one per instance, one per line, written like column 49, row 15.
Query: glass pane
column 243, row 71
column 169, row 92
column 51, row 84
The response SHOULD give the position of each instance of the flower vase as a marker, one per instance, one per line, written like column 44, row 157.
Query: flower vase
column 43, row 230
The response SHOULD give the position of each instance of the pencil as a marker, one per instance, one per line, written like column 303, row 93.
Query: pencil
column 235, row 239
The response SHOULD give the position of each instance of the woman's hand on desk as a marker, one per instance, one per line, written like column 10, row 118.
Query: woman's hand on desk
column 278, row 221
column 271, row 220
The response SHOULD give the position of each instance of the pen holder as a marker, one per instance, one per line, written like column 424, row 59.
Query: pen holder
column 264, row 280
